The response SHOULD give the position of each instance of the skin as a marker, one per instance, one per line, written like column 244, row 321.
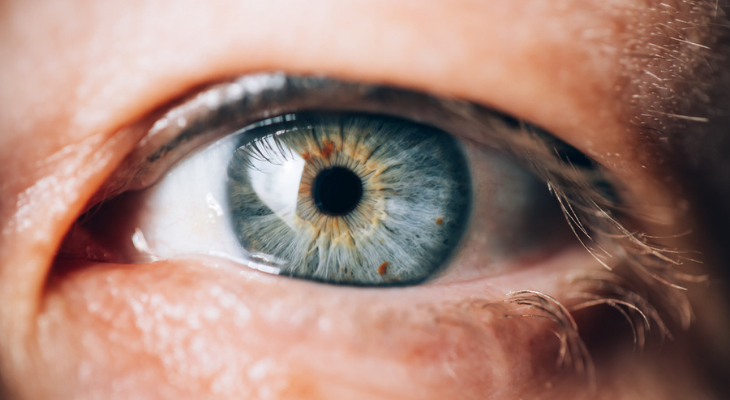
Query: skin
column 77, row 79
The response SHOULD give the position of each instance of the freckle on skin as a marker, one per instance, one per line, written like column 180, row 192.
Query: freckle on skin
column 383, row 268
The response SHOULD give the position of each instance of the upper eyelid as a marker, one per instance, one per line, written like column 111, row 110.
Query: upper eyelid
column 224, row 108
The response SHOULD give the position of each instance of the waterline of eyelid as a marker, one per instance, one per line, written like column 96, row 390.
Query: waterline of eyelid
column 250, row 263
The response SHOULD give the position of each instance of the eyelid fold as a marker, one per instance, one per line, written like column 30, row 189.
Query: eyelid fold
column 225, row 108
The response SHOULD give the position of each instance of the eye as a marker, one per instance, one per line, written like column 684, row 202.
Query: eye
column 345, row 184
column 354, row 199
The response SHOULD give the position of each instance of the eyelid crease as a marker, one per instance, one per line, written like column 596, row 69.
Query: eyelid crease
column 225, row 108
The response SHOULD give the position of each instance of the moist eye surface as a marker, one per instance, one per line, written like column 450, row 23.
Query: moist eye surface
column 349, row 198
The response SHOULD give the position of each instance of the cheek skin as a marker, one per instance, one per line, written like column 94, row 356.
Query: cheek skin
column 175, row 330
column 207, row 329
column 200, row 328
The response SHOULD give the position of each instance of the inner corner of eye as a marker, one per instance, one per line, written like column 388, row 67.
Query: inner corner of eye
column 335, row 197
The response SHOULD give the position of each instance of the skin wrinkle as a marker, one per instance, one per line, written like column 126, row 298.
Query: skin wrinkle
column 152, row 100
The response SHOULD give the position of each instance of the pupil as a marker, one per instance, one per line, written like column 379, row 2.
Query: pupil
column 336, row 191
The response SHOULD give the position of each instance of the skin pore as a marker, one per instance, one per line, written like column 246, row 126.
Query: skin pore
column 79, row 78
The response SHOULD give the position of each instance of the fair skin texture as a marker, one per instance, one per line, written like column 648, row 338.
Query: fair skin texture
column 75, row 74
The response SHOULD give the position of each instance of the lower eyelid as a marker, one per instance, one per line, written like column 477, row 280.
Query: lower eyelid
column 443, row 347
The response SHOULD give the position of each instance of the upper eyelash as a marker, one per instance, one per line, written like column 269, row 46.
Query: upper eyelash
column 592, row 214
column 228, row 106
column 269, row 147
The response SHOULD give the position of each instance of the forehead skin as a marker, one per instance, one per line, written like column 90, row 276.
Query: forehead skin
column 73, row 73
column 535, row 59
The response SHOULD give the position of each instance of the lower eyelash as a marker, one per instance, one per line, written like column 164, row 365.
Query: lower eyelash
column 656, row 267
column 592, row 213
column 611, row 289
column 573, row 351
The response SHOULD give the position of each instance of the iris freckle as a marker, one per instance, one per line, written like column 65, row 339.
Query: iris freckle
column 337, row 191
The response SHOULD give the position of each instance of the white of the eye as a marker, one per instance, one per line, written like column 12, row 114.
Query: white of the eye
column 140, row 243
column 186, row 212
column 277, row 185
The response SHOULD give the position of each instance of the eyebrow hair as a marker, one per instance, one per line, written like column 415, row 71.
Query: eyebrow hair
column 670, row 64
column 698, row 72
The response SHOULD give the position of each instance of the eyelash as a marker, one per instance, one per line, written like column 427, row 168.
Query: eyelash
column 641, row 273
column 643, row 282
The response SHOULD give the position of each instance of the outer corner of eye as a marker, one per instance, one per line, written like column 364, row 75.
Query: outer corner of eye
column 339, row 186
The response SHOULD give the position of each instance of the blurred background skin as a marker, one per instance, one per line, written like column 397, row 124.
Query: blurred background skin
column 76, row 76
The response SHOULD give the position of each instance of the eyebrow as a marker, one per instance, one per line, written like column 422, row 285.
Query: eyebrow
column 670, row 68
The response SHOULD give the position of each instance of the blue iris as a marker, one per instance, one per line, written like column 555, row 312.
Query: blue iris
column 349, row 198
